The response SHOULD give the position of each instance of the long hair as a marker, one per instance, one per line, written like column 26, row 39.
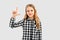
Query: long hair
column 36, row 18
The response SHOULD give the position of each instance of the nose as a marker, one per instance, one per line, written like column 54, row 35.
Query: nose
column 29, row 11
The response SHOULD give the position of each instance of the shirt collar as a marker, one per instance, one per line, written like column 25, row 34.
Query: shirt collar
column 30, row 19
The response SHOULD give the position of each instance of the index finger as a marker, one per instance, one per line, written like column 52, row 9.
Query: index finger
column 16, row 8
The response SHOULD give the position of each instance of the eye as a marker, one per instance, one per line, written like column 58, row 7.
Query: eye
column 27, row 10
column 31, row 10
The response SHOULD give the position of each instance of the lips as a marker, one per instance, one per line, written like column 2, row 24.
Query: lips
column 30, row 14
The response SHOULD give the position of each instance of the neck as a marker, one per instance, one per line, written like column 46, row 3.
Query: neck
column 31, row 18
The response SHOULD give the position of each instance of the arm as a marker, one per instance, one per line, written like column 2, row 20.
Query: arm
column 14, row 24
column 40, row 33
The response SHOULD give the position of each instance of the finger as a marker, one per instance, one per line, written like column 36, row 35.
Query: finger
column 18, row 14
column 16, row 8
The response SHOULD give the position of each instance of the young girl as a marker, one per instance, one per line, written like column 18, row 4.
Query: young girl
column 31, row 23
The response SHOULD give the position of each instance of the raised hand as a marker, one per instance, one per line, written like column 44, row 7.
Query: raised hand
column 15, row 13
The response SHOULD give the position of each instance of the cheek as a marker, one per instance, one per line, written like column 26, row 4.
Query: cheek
column 33, row 13
column 27, row 13
column 30, row 14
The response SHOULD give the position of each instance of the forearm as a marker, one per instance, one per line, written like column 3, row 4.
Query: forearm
column 12, row 23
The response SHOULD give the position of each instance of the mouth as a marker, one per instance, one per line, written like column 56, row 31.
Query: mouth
column 30, row 14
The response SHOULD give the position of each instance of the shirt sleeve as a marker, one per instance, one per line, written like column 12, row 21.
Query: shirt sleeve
column 40, row 33
column 14, row 24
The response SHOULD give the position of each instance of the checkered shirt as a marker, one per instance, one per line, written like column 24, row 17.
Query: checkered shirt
column 29, row 29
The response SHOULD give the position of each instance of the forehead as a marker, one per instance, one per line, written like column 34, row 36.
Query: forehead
column 29, row 8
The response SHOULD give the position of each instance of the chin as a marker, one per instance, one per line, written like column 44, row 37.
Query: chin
column 30, row 16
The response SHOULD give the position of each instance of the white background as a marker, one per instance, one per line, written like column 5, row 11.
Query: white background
column 48, row 12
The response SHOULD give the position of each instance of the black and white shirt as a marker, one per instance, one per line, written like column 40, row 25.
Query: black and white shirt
column 29, row 29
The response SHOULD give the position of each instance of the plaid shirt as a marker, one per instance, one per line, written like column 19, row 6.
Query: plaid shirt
column 29, row 29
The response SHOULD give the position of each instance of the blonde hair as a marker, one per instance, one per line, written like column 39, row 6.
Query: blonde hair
column 36, row 18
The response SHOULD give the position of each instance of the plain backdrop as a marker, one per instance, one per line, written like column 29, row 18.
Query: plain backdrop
column 47, row 10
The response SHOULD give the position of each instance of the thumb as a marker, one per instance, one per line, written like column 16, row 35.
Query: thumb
column 18, row 14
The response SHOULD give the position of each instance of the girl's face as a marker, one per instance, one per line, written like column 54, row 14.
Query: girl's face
column 30, row 12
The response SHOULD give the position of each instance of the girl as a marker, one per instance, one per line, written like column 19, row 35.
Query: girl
column 31, row 23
